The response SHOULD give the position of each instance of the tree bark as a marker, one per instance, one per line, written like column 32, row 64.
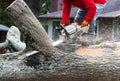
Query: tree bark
column 59, row 67
column 33, row 33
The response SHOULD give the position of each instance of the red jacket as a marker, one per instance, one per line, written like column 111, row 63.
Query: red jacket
column 82, row 4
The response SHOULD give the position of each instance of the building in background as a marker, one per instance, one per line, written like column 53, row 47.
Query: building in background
column 108, row 22
column 55, row 5
column 51, row 20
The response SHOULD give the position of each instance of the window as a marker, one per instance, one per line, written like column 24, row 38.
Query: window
column 55, row 32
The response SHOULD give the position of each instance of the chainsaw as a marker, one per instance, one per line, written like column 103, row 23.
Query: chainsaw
column 69, row 32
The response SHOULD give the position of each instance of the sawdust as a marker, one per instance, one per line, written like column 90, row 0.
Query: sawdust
column 117, row 52
column 90, row 52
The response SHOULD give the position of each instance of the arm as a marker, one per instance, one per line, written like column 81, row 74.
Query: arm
column 66, row 11
column 91, row 7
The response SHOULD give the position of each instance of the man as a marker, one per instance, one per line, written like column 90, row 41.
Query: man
column 88, row 11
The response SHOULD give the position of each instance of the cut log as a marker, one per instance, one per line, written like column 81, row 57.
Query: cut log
column 61, row 67
column 32, row 31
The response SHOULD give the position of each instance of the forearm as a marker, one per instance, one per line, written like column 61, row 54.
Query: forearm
column 91, row 9
column 66, row 13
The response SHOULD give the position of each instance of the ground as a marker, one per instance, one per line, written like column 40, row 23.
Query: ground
column 100, row 50
column 89, row 45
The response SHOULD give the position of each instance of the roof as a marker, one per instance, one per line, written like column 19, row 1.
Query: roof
column 110, row 14
column 3, row 28
column 111, row 10
column 58, row 14
column 112, row 5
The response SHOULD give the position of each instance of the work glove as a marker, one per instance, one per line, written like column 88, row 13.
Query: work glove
column 75, row 24
column 84, row 23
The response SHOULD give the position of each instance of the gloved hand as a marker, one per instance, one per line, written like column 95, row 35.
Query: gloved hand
column 84, row 23
column 63, row 25
column 75, row 24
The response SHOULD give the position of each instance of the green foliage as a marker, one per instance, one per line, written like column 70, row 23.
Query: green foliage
column 45, row 6
column 4, row 19
column 98, row 40
column 37, row 6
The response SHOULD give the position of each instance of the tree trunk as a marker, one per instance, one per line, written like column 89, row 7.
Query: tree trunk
column 33, row 33
column 59, row 67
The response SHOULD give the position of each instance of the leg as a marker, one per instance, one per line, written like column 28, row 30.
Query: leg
column 80, row 16
column 93, row 26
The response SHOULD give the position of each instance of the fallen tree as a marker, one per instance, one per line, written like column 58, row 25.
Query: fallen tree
column 50, row 64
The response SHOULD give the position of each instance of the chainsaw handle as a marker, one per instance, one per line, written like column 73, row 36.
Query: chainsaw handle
column 60, row 28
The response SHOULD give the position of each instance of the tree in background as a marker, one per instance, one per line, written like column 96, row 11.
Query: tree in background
column 45, row 6
column 37, row 6
column 4, row 19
